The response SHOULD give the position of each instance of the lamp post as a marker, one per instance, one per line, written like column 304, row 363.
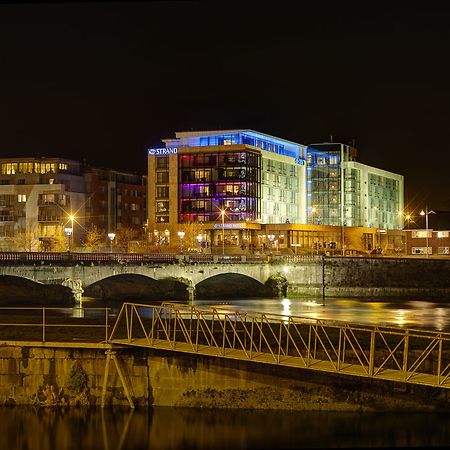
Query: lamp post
column 72, row 218
column 271, row 237
column 222, row 213
column 426, row 213
column 199, row 240
column 68, row 232
column 111, row 238
column 181, row 236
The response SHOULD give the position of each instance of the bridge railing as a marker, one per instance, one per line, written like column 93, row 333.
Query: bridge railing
column 389, row 353
column 168, row 258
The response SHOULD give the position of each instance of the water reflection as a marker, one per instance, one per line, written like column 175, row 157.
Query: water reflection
column 180, row 428
column 402, row 313
column 406, row 314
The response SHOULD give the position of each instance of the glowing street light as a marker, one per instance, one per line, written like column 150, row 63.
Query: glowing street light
column 181, row 236
column 271, row 238
column 222, row 213
column 111, row 238
column 199, row 240
column 72, row 218
column 68, row 232
column 426, row 213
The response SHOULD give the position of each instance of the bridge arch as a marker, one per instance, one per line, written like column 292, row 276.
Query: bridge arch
column 22, row 291
column 230, row 285
column 132, row 286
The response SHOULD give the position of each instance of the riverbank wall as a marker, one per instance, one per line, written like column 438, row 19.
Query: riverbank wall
column 70, row 376
column 372, row 277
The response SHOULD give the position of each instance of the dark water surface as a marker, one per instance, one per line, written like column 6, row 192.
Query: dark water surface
column 185, row 428
column 403, row 313
column 173, row 428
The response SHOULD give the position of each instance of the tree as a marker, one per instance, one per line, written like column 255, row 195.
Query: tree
column 192, row 230
column 94, row 238
column 124, row 235
column 59, row 240
column 26, row 241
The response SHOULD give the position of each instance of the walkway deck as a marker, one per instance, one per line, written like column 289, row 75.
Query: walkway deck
column 386, row 353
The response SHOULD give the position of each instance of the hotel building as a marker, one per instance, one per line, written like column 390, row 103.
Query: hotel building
column 230, row 186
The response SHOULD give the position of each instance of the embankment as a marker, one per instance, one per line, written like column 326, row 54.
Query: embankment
column 58, row 376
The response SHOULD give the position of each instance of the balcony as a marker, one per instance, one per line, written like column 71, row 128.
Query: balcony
column 50, row 219
column 8, row 218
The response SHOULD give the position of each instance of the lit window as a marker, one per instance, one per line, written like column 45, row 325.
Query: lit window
column 442, row 234
column 21, row 198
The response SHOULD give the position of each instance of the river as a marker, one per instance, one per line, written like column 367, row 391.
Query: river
column 403, row 313
column 179, row 428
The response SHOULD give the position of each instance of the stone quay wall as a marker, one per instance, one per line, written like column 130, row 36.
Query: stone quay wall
column 373, row 277
column 53, row 376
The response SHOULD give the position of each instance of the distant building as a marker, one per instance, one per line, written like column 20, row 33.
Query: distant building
column 115, row 199
column 228, row 184
column 38, row 196
column 438, row 242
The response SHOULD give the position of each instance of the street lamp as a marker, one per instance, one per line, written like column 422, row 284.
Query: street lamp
column 199, row 240
column 271, row 238
column 111, row 238
column 72, row 218
column 222, row 213
column 68, row 231
column 181, row 236
column 426, row 213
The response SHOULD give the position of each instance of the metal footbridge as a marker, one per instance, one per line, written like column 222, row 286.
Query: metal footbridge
column 393, row 354
column 385, row 353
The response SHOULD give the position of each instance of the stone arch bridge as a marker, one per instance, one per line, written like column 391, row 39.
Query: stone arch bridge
column 233, row 274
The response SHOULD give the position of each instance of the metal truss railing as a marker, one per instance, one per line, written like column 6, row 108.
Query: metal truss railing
column 387, row 353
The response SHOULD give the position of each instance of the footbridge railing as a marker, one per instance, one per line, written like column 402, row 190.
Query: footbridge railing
column 379, row 352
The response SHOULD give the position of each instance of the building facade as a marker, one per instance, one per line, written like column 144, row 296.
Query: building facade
column 225, row 186
column 344, row 192
column 41, row 197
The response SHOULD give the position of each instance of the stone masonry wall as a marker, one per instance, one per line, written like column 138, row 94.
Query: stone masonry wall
column 62, row 376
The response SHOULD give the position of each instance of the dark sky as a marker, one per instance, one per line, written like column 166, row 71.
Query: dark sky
column 103, row 81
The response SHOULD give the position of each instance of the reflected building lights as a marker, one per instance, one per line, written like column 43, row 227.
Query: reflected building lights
column 286, row 307
column 400, row 316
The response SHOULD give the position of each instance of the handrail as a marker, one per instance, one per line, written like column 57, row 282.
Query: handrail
column 75, row 257
column 383, row 352
column 55, row 323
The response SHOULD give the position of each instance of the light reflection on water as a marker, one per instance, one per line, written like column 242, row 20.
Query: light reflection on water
column 406, row 314
column 188, row 428
column 402, row 313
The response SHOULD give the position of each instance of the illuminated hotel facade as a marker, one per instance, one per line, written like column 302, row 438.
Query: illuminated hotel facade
column 237, row 187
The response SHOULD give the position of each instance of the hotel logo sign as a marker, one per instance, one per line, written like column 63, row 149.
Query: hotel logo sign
column 163, row 151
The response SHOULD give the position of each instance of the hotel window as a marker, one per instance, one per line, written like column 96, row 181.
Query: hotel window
column 443, row 251
column 162, row 162
column 421, row 234
column 162, row 192
column 162, row 207
column 162, row 177
column 442, row 234
column 22, row 198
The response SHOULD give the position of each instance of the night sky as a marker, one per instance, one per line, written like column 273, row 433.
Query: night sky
column 104, row 81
